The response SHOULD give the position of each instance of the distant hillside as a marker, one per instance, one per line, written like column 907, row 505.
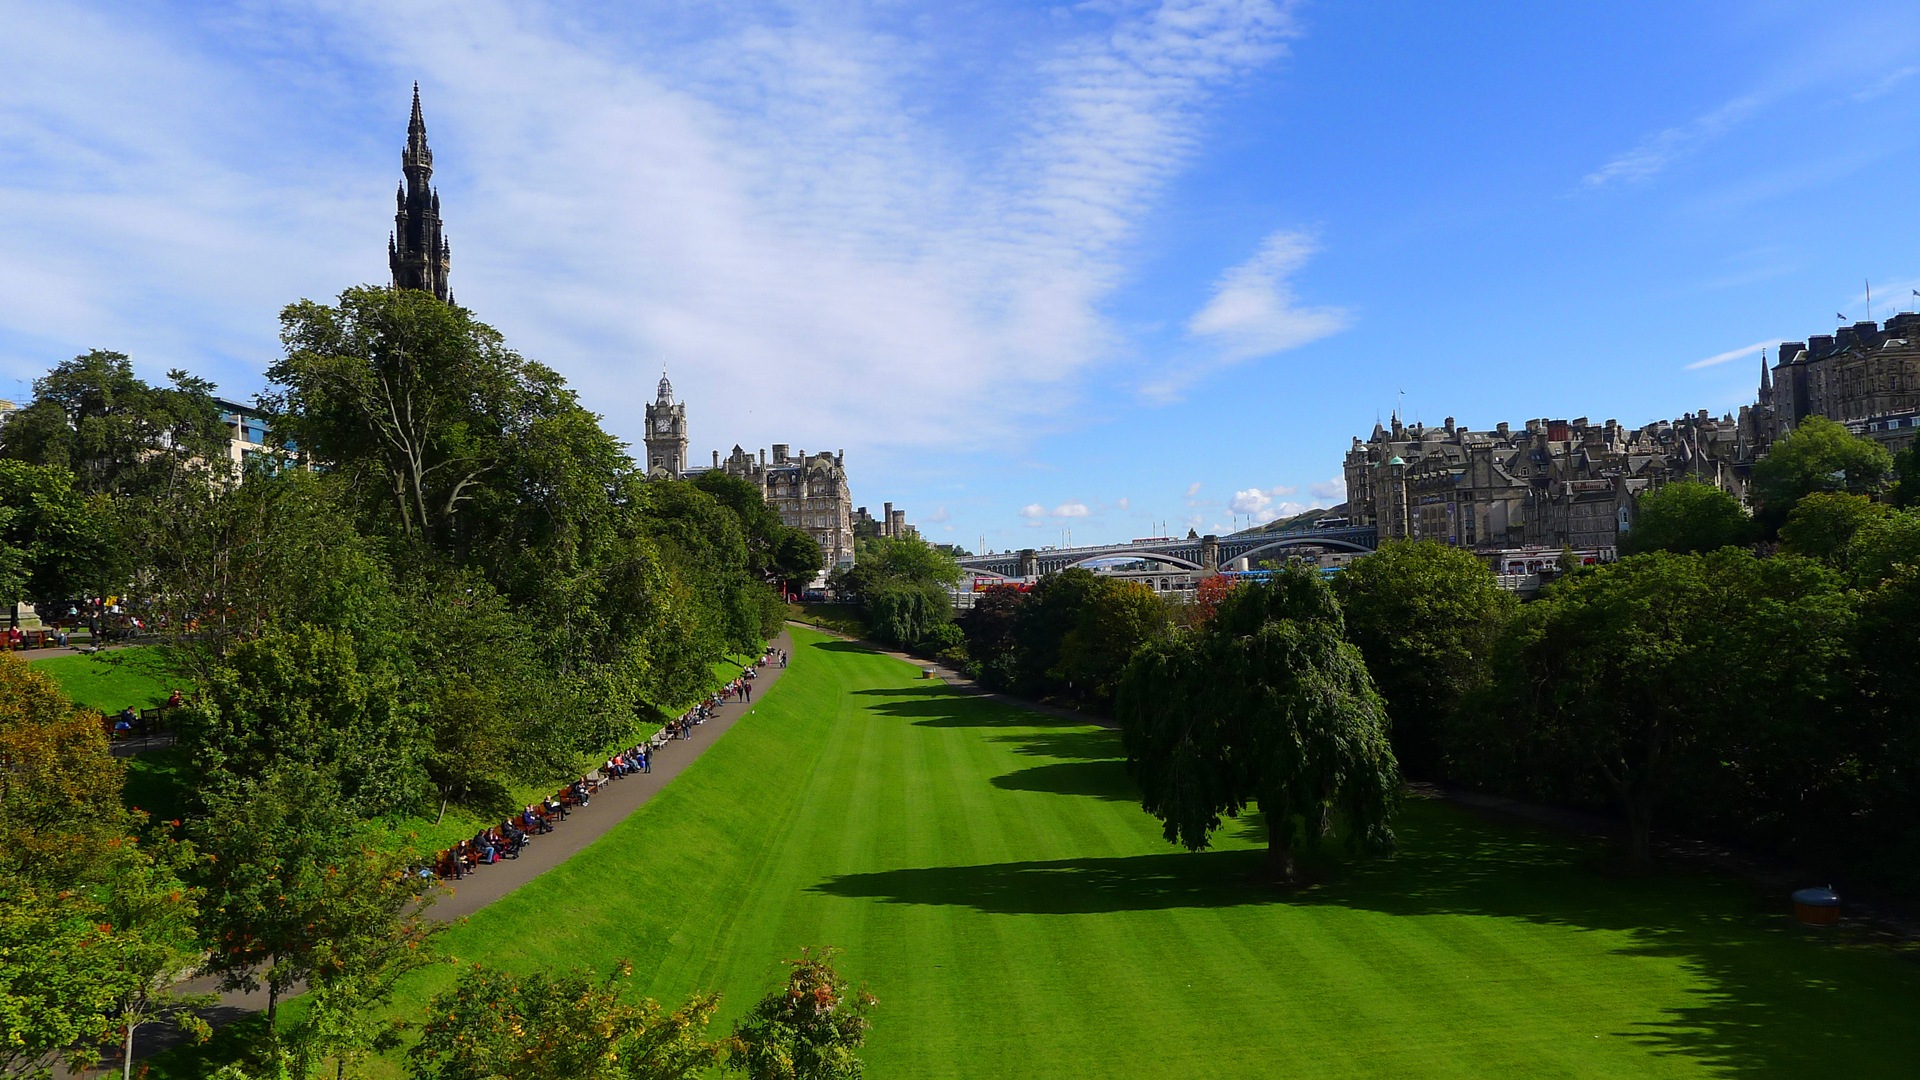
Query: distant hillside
column 1300, row 521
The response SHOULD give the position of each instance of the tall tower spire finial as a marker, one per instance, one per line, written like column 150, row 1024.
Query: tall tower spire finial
column 419, row 257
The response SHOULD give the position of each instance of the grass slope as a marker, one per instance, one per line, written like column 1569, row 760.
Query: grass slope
column 112, row 680
column 991, row 878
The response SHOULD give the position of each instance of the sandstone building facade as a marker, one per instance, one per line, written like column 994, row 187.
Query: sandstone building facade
column 1866, row 376
column 809, row 492
column 1572, row 483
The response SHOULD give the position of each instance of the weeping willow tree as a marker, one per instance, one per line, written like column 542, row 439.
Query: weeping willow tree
column 1265, row 705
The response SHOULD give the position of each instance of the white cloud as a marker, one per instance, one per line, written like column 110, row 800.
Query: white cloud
column 1655, row 153
column 1732, row 354
column 771, row 190
column 1193, row 489
column 1124, row 503
column 1336, row 488
column 1886, row 83
column 1253, row 312
column 939, row 516
column 1265, row 504
column 1071, row 510
column 1250, row 501
column 1033, row 510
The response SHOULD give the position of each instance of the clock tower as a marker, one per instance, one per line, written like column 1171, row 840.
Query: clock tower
column 666, row 434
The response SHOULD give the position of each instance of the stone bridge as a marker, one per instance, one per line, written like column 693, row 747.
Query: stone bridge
column 1205, row 554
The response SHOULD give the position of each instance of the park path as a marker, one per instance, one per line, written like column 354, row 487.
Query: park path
column 584, row 824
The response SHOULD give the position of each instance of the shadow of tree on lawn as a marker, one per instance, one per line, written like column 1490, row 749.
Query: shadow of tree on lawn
column 1105, row 779
column 1069, row 886
column 1778, row 1001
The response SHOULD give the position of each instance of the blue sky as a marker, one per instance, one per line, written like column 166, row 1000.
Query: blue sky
column 1093, row 266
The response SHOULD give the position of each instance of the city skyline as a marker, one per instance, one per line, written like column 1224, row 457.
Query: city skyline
column 1097, row 268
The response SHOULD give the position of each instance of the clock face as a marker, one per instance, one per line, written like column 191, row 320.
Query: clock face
column 663, row 425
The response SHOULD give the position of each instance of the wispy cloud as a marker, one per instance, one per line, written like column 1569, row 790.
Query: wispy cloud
column 1654, row 154
column 724, row 190
column 1732, row 354
column 1336, row 488
column 1885, row 84
column 1253, row 312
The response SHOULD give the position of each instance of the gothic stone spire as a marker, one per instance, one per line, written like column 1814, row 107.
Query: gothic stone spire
column 418, row 254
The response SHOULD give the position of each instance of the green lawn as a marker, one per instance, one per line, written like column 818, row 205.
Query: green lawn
column 112, row 680
column 992, row 880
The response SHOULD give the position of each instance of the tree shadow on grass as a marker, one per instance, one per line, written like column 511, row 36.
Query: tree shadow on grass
column 1780, row 1001
column 838, row 645
column 1069, row 886
column 1105, row 779
column 1775, row 1000
column 1075, row 743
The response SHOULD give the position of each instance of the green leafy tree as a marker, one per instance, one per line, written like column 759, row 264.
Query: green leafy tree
column 1878, row 839
column 414, row 401
column 60, row 980
column 1688, row 516
column 60, row 784
column 1118, row 618
column 1906, row 477
column 775, row 550
column 1883, row 545
column 492, row 1025
column 217, row 567
column 989, row 626
column 299, row 889
column 1823, row 523
column 810, row 1029
column 154, row 914
column 1269, row 704
column 302, row 697
column 1663, row 676
column 901, row 586
column 56, row 544
column 1817, row 455
column 117, row 434
column 904, row 613
column 1050, row 612
column 1425, row 616
column 94, row 924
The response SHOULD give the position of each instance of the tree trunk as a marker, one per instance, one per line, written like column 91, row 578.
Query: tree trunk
column 443, row 807
column 1639, row 828
column 126, row 1056
column 1279, row 854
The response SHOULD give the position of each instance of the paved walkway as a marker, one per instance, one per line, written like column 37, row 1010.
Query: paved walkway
column 583, row 825
column 31, row 655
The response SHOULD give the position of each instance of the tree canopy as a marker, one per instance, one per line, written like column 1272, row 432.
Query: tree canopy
column 1267, row 705
column 1688, row 517
column 1425, row 616
column 1817, row 455
column 117, row 434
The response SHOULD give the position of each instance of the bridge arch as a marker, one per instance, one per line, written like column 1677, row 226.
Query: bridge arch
column 1143, row 556
column 1305, row 541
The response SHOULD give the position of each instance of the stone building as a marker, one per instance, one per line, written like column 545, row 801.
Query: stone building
column 1866, row 376
column 1575, row 484
column 666, row 436
column 1551, row 483
column 891, row 523
column 808, row 492
column 417, row 252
